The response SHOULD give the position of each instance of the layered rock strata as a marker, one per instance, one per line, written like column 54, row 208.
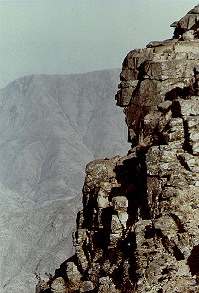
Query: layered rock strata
column 139, row 227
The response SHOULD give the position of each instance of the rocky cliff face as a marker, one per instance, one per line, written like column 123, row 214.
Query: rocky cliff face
column 138, row 230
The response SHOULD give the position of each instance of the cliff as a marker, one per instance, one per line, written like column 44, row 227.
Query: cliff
column 138, row 230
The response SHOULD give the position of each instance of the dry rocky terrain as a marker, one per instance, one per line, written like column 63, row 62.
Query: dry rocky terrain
column 50, row 128
column 138, row 229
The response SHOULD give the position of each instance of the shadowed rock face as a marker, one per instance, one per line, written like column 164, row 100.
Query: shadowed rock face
column 138, row 230
column 187, row 26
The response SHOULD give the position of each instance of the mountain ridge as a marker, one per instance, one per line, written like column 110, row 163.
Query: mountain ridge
column 45, row 126
column 138, row 229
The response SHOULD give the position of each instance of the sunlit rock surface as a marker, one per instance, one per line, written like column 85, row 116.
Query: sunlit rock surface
column 138, row 229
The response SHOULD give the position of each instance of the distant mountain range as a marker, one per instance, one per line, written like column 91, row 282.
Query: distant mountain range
column 50, row 128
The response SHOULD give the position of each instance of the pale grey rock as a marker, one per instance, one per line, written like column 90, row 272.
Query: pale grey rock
column 58, row 286
column 188, row 35
column 73, row 275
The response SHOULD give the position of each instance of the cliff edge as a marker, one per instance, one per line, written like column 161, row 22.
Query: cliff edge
column 138, row 230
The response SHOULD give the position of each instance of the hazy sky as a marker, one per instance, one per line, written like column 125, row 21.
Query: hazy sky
column 63, row 37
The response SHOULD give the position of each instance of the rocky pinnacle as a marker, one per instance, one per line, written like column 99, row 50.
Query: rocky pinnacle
column 139, row 227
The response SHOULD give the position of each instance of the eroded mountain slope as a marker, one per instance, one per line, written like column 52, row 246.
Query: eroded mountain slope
column 46, row 123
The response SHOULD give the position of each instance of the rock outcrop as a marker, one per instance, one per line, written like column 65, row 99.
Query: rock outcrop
column 138, row 230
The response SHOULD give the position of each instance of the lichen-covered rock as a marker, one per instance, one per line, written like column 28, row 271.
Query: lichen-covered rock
column 106, row 285
column 59, row 286
column 87, row 286
column 73, row 275
column 138, row 230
